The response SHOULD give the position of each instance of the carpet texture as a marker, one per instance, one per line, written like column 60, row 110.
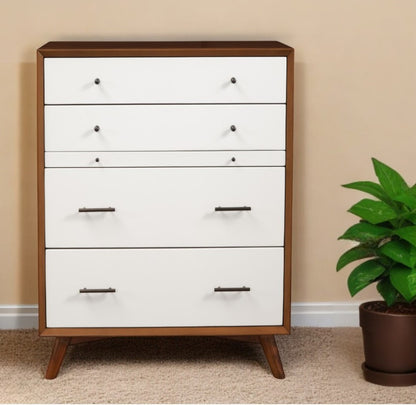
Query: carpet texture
column 321, row 366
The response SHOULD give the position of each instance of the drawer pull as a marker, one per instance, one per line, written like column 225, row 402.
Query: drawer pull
column 233, row 208
column 97, row 290
column 97, row 81
column 233, row 128
column 96, row 128
column 109, row 209
column 233, row 80
column 233, row 159
column 231, row 289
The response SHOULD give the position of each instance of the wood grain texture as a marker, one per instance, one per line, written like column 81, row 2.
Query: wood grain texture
column 57, row 357
column 149, row 49
column 41, row 193
column 173, row 331
column 288, row 191
column 272, row 355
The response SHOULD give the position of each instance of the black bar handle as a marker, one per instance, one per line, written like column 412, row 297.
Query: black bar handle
column 97, row 290
column 227, row 289
column 109, row 209
column 233, row 208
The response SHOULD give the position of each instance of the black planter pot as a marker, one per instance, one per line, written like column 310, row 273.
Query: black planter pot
column 389, row 347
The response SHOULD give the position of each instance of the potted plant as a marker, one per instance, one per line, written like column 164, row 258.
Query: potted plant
column 386, row 239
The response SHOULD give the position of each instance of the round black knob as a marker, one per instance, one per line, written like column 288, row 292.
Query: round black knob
column 233, row 159
column 233, row 128
column 233, row 80
column 97, row 81
column 97, row 159
column 96, row 128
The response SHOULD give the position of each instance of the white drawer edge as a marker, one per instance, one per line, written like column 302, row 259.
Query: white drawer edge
column 165, row 159
column 165, row 80
column 164, row 287
column 150, row 207
column 170, row 127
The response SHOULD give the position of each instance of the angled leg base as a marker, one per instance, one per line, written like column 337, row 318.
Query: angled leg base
column 270, row 349
column 271, row 352
column 57, row 357
column 268, row 343
column 59, row 350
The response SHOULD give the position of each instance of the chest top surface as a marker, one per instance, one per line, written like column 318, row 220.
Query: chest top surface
column 193, row 48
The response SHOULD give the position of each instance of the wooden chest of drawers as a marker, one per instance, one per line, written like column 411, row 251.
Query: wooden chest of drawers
column 164, row 188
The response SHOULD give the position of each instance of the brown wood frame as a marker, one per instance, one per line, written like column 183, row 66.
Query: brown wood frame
column 120, row 49
column 166, row 49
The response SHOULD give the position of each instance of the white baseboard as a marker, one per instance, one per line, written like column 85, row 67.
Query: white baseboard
column 18, row 316
column 311, row 314
column 325, row 314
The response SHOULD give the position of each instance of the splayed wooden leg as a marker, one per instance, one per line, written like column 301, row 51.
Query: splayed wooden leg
column 57, row 356
column 271, row 352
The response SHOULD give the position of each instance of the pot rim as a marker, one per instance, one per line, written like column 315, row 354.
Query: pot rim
column 363, row 308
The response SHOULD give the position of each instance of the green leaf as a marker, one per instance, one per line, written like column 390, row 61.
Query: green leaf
column 407, row 233
column 412, row 256
column 398, row 251
column 387, row 291
column 391, row 181
column 404, row 281
column 373, row 211
column 410, row 217
column 363, row 275
column 407, row 199
column 356, row 253
column 371, row 188
column 365, row 232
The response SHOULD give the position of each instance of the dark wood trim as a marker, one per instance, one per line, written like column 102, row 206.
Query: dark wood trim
column 288, row 192
column 167, row 49
column 272, row 355
column 168, row 45
column 41, row 194
column 57, row 357
column 173, row 331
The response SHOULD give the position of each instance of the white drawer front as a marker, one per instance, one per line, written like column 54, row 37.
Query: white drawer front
column 164, row 159
column 164, row 207
column 164, row 287
column 164, row 127
column 165, row 80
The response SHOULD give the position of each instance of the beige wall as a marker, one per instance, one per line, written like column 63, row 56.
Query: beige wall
column 355, row 97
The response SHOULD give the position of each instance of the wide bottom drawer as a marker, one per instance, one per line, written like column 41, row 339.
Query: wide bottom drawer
column 164, row 287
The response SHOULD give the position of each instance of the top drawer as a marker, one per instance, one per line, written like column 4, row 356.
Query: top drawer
column 162, row 80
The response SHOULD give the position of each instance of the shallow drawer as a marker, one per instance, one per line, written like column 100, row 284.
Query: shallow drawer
column 164, row 207
column 164, row 287
column 164, row 159
column 165, row 80
column 164, row 127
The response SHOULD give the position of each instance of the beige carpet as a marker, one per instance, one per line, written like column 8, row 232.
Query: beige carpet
column 321, row 365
